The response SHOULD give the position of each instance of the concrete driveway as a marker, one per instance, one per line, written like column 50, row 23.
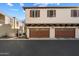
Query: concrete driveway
column 39, row 47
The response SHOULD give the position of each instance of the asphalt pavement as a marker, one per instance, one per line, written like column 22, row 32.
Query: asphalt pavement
column 39, row 47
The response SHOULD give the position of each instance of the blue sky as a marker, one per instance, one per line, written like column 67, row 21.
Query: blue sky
column 16, row 10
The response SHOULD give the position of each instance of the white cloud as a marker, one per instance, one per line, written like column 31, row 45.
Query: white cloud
column 10, row 4
column 40, row 4
column 21, row 4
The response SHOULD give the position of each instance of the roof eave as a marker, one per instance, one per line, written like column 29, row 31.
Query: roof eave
column 52, row 7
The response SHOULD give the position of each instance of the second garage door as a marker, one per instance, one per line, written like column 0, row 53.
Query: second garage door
column 39, row 32
column 65, row 32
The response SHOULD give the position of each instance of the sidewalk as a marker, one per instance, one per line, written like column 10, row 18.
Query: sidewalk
column 15, row 38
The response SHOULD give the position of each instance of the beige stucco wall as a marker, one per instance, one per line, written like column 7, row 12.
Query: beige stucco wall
column 52, row 32
column 7, row 20
column 27, row 33
column 5, row 29
column 4, row 19
column 63, row 15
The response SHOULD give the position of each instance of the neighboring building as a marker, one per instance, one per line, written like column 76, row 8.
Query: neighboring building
column 5, row 27
column 21, row 27
column 4, row 19
column 14, row 23
column 17, row 26
column 8, row 25
column 52, row 22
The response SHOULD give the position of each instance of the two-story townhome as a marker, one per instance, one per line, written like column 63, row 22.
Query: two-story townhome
column 5, row 26
column 52, row 22
column 17, row 26
column 21, row 27
column 8, row 25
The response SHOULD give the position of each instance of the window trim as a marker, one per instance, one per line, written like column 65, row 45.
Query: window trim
column 73, row 13
column 51, row 15
column 34, row 13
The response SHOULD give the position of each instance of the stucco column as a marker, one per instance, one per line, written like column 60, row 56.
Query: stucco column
column 77, row 33
column 27, row 32
column 52, row 32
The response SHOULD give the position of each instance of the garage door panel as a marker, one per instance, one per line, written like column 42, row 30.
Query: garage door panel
column 65, row 32
column 39, row 32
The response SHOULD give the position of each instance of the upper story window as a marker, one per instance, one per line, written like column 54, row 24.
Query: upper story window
column 74, row 13
column 34, row 13
column 51, row 13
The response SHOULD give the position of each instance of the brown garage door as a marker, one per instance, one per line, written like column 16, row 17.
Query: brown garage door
column 65, row 32
column 39, row 32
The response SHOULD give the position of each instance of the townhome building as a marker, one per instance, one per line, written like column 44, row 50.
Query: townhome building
column 4, row 24
column 21, row 27
column 8, row 25
column 52, row 22
column 17, row 26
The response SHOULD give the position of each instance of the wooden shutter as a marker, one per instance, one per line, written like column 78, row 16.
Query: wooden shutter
column 54, row 13
column 38, row 13
column 31, row 13
column 73, row 13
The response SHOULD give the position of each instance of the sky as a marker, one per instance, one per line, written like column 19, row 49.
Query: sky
column 16, row 10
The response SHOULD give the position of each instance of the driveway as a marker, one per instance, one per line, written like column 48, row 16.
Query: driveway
column 39, row 47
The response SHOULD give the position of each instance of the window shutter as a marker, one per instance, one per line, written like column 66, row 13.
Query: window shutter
column 71, row 13
column 78, row 13
column 30, row 13
column 47, row 13
column 54, row 13
column 74, row 13
column 38, row 13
